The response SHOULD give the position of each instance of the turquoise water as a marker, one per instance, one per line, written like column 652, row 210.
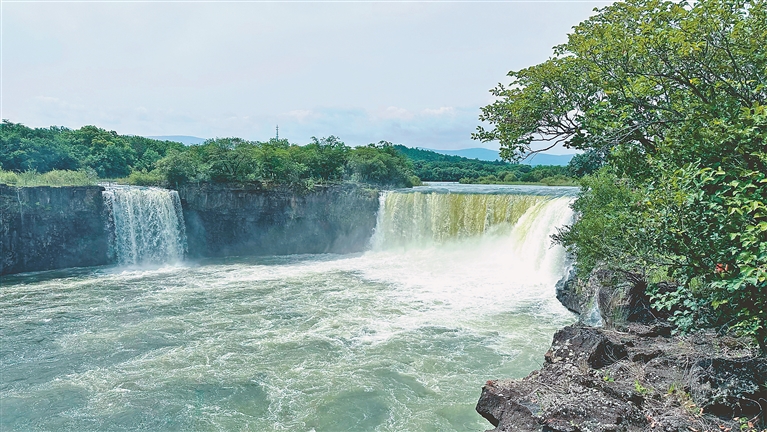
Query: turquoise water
column 392, row 339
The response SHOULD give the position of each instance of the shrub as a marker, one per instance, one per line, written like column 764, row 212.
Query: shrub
column 51, row 178
column 144, row 178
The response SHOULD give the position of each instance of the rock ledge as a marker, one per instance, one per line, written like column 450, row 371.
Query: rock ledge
column 637, row 379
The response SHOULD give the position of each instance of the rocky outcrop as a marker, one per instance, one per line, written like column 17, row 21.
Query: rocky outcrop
column 631, row 374
column 43, row 228
column 639, row 379
column 226, row 220
column 607, row 298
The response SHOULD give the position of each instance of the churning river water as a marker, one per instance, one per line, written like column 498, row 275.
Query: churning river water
column 457, row 288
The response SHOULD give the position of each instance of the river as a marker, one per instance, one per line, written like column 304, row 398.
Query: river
column 457, row 288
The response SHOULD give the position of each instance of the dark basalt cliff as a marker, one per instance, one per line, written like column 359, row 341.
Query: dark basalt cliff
column 43, row 228
column 632, row 374
column 229, row 220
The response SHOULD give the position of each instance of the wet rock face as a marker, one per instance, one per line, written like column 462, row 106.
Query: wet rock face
column 586, row 345
column 731, row 386
column 227, row 220
column 633, row 380
column 607, row 298
column 43, row 228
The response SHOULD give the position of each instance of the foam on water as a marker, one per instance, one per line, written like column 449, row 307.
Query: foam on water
column 398, row 338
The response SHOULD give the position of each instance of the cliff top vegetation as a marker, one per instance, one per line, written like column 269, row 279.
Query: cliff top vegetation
column 432, row 166
column 65, row 156
column 29, row 155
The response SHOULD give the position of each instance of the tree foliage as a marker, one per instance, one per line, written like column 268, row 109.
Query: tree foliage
column 145, row 161
column 671, row 96
column 56, row 148
column 380, row 164
column 432, row 166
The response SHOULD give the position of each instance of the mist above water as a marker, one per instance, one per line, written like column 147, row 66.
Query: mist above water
column 401, row 337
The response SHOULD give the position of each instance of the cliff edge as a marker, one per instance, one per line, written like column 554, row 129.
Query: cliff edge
column 632, row 374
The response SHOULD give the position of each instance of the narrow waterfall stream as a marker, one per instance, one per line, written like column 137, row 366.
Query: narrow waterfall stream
column 457, row 288
column 146, row 223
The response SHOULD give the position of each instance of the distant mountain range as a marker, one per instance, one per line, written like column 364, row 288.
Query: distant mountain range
column 183, row 139
column 493, row 155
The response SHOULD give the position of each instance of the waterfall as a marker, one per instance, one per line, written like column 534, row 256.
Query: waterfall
column 146, row 225
column 494, row 245
column 416, row 218
column 503, row 235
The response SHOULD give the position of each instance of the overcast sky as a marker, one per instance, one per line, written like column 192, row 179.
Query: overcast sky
column 414, row 73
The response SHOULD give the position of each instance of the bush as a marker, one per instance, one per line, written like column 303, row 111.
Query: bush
column 51, row 178
column 380, row 164
column 144, row 178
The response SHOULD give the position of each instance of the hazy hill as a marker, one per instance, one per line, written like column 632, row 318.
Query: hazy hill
column 184, row 139
column 492, row 155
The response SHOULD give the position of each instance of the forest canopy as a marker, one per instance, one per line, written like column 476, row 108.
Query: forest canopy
column 670, row 98
column 106, row 155
column 432, row 166
column 89, row 153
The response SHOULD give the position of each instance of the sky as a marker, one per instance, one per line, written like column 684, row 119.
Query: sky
column 412, row 73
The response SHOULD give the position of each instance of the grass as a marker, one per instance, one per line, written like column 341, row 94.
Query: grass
column 51, row 178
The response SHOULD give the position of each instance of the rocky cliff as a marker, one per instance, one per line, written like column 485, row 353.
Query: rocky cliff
column 232, row 220
column 631, row 374
column 44, row 228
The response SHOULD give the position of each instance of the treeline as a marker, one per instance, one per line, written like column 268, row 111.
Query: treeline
column 432, row 166
column 108, row 154
column 96, row 153
column 143, row 161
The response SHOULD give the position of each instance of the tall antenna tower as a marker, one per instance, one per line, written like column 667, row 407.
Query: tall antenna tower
column 278, row 132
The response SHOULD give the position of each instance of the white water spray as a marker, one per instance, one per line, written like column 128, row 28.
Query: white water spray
column 147, row 225
column 475, row 251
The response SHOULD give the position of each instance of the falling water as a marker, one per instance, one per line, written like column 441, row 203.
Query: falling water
column 420, row 218
column 146, row 223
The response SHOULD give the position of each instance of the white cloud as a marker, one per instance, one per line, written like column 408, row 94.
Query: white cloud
column 300, row 115
column 393, row 112
column 439, row 111
column 413, row 73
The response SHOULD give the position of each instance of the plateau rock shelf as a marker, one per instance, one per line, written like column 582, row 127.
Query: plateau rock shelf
column 45, row 228
column 146, row 225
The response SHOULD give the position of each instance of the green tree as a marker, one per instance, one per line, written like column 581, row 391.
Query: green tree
column 585, row 163
column 230, row 160
column 324, row 158
column 178, row 168
column 673, row 94
column 380, row 164
column 276, row 164
column 106, row 152
column 40, row 150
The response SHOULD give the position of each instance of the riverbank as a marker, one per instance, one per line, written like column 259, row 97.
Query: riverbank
column 632, row 374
